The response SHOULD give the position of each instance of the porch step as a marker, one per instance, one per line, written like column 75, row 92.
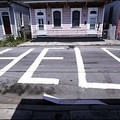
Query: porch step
column 66, row 39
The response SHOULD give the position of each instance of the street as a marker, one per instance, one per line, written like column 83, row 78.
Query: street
column 71, row 72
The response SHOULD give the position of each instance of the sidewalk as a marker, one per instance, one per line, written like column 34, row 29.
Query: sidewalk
column 98, row 43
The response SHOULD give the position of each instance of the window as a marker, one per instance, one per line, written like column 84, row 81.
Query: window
column 41, row 24
column 5, row 14
column 110, row 15
column 21, row 19
column 40, row 13
column 93, row 22
column 6, row 23
column 93, row 12
column 76, row 17
column 57, row 17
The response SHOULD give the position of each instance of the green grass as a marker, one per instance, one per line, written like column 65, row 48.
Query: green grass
column 11, row 42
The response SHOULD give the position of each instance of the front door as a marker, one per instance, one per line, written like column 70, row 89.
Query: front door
column 92, row 21
column 41, row 21
column 6, row 23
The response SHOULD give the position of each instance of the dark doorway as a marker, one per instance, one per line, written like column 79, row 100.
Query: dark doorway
column 6, row 23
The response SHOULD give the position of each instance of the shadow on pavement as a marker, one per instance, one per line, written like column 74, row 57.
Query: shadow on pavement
column 45, row 110
column 66, row 39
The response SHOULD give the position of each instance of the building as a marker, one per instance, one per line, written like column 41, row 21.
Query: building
column 112, row 20
column 14, row 17
column 66, row 17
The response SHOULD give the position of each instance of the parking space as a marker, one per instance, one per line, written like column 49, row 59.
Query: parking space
column 102, row 68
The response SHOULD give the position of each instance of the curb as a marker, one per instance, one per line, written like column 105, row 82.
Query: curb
column 103, row 43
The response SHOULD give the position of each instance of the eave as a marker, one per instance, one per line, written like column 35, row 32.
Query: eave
column 60, row 1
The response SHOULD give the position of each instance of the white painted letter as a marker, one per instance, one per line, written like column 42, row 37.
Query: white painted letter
column 27, row 77
column 15, row 60
column 81, row 70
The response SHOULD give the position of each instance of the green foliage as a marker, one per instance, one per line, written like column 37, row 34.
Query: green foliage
column 10, row 41
column 10, row 38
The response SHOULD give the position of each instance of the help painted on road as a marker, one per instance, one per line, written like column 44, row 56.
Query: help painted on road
column 27, row 76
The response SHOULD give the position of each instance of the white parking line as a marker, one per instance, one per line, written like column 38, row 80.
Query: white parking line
column 27, row 77
column 7, row 58
column 111, row 54
column 4, row 51
column 114, row 48
column 103, row 85
column 53, row 58
column 81, row 70
column 82, row 75
column 15, row 60
column 95, row 85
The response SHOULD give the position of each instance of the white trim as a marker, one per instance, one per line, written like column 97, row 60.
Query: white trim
column 101, row 28
column 9, row 21
column 41, row 32
column 89, row 31
column 15, row 23
column 31, row 26
column 2, row 24
column 4, row 9
column 78, row 9
column 60, row 10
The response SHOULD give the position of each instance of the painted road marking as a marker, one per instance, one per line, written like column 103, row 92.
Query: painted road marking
column 4, row 51
column 15, row 60
column 114, row 48
column 81, row 69
column 82, row 82
column 111, row 54
column 101, row 85
column 27, row 77
column 7, row 58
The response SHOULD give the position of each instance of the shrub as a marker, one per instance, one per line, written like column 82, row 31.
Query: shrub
column 10, row 38
column 12, row 42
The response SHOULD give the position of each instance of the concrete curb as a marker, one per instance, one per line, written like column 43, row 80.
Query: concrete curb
column 28, row 44
column 99, row 43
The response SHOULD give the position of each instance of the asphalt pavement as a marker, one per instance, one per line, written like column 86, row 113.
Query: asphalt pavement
column 21, row 98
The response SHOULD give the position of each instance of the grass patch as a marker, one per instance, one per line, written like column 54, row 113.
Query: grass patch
column 10, row 41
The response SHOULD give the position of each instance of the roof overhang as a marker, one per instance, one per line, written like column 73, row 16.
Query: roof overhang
column 4, row 5
column 52, row 1
column 63, row 4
